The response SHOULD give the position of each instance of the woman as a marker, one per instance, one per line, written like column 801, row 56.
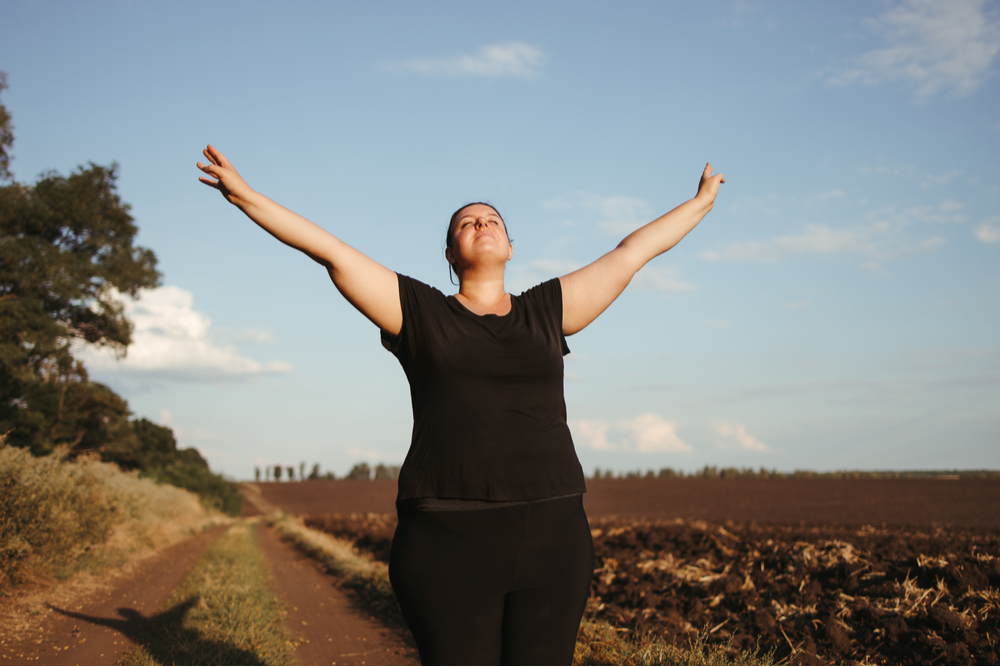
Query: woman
column 492, row 558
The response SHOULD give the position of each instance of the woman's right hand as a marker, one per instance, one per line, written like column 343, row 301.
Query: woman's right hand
column 228, row 180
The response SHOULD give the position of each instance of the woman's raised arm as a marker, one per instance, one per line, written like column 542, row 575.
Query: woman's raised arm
column 366, row 284
column 587, row 292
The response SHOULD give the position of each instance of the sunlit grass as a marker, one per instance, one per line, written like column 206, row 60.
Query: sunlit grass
column 603, row 644
column 224, row 613
column 60, row 517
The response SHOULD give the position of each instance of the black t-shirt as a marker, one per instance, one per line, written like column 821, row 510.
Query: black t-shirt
column 489, row 418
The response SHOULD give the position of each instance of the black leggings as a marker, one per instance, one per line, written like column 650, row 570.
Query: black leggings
column 504, row 585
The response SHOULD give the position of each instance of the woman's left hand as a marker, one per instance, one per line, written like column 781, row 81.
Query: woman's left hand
column 708, row 187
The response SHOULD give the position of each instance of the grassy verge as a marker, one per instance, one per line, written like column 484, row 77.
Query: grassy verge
column 224, row 613
column 369, row 577
column 59, row 517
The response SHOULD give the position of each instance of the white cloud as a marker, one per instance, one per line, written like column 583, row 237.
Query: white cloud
column 879, row 240
column 930, row 180
column 738, row 432
column 647, row 433
column 619, row 215
column 171, row 339
column 521, row 277
column 593, row 433
column 816, row 239
column 933, row 45
column 989, row 230
column 662, row 278
column 796, row 305
column 513, row 59
column 717, row 324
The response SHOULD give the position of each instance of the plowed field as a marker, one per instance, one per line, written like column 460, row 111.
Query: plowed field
column 822, row 571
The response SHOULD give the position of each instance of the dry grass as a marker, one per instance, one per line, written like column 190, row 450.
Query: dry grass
column 603, row 644
column 59, row 517
column 359, row 571
column 224, row 612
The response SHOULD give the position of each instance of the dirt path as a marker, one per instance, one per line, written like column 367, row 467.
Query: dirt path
column 97, row 629
column 332, row 626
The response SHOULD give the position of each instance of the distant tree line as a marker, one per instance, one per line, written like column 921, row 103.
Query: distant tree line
column 66, row 252
column 360, row 471
column 714, row 472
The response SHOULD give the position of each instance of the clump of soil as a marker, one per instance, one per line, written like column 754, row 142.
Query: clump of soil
column 814, row 594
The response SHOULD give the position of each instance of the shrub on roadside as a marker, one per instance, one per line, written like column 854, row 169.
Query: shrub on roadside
column 58, row 517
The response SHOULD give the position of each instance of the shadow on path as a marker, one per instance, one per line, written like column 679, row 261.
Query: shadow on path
column 165, row 640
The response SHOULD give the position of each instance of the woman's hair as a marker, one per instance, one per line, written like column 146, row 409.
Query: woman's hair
column 451, row 230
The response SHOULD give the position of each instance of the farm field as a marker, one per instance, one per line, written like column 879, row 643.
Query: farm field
column 821, row 571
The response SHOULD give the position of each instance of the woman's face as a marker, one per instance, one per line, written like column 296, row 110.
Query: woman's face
column 478, row 235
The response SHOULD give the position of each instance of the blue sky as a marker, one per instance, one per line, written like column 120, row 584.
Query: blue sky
column 838, row 308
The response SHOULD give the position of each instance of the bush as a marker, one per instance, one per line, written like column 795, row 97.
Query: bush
column 58, row 517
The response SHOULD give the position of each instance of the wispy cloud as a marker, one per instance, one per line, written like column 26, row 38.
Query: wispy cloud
column 661, row 278
column 738, row 433
column 816, row 239
column 935, row 46
column 989, row 230
column 513, row 59
column 888, row 234
column 618, row 215
column 647, row 433
column 172, row 340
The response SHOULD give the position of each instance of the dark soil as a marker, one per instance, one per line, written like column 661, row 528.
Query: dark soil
column 815, row 595
column 820, row 571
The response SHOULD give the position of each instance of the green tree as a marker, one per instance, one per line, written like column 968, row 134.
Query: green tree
column 66, row 252
column 360, row 471
column 6, row 134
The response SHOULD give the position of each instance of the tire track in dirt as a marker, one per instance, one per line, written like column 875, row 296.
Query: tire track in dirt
column 97, row 629
column 328, row 619
column 329, row 622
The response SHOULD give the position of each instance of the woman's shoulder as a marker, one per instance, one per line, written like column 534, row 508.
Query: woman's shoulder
column 548, row 292
column 418, row 288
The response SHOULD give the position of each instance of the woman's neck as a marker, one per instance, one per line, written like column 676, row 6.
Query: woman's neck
column 484, row 294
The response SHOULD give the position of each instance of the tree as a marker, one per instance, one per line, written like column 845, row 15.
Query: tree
column 256, row 474
column 6, row 134
column 66, row 253
column 360, row 471
column 314, row 474
column 302, row 471
column 291, row 473
column 277, row 473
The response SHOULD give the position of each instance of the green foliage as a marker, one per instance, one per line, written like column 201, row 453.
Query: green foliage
column 360, row 471
column 66, row 252
column 383, row 471
column 6, row 134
